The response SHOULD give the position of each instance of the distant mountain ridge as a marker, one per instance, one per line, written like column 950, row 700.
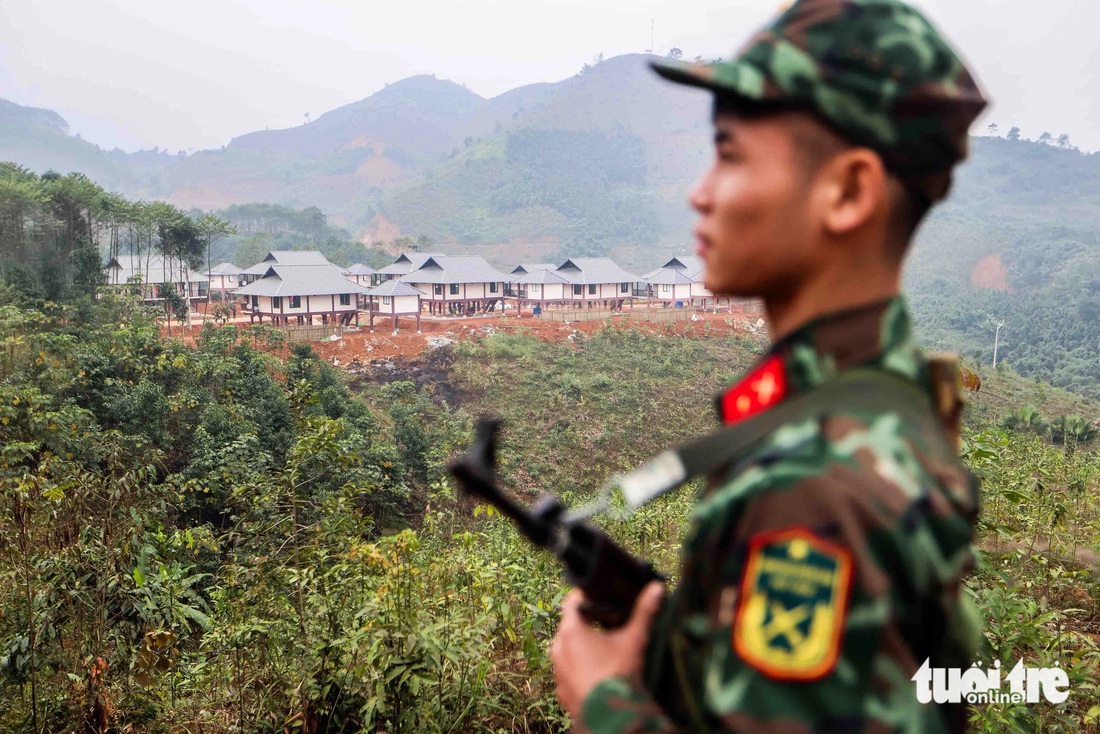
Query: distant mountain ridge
column 351, row 160
column 601, row 163
column 11, row 113
column 565, row 162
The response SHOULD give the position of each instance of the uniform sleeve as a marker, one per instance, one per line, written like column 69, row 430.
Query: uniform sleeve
column 790, row 619
column 800, row 613
column 622, row 706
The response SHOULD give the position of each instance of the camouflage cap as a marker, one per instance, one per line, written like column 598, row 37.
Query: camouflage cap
column 876, row 71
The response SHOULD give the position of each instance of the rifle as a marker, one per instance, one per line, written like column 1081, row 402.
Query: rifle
column 610, row 577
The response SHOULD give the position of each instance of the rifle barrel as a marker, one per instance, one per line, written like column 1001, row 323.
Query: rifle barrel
column 474, row 481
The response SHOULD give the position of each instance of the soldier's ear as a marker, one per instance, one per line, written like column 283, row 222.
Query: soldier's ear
column 852, row 191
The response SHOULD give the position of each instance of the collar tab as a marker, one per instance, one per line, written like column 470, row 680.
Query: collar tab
column 759, row 390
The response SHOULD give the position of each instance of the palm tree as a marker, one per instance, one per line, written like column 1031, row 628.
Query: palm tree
column 1079, row 429
column 1026, row 419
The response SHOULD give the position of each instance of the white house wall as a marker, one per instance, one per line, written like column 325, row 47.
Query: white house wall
column 310, row 304
column 675, row 292
column 223, row 282
column 398, row 305
column 466, row 291
column 604, row 291
column 548, row 291
column 698, row 290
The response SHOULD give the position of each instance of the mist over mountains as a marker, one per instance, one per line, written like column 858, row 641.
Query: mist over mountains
column 601, row 163
column 367, row 163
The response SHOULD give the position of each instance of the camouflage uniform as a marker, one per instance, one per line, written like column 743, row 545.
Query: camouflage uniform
column 824, row 566
column 822, row 570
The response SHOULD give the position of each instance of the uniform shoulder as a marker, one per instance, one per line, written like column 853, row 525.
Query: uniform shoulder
column 876, row 452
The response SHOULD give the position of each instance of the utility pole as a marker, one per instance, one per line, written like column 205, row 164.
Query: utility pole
column 652, row 48
column 996, row 341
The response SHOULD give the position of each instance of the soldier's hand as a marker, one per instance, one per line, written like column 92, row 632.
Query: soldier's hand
column 584, row 656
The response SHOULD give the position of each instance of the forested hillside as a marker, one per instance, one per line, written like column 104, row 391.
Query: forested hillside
column 224, row 534
column 601, row 163
column 229, row 537
column 1018, row 243
column 349, row 160
column 40, row 140
column 261, row 228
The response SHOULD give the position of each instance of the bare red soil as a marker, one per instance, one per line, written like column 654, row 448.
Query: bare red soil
column 362, row 347
column 989, row 272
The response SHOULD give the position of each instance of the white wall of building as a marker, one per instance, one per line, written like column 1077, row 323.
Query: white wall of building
column 440, row 292
column 603, row 291
column 397, row 305
column 674, row 292
column 309, row 304
column 223, row 282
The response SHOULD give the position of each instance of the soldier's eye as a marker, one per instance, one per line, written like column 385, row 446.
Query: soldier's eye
column 727, row 154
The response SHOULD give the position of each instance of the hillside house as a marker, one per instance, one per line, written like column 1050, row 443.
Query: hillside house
column 392, row 299
column 152, row 271
column 405, row 263
column 668, row 286
column 456, row 286
column 281, row 257
column 301, row 292
column 597, row 282
column 541, row 288
column 361, row 274
column 524, row 268
column 224, row 279
column 521, row 270
column 693, row 267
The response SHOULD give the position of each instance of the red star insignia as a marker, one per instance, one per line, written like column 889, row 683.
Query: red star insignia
column 759, row 390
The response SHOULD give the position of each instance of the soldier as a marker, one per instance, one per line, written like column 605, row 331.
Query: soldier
column 825, row 564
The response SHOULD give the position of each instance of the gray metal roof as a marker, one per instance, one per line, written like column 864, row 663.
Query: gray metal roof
column 287, row 257
column 668, row 276
column 531, row 267
column 297, row 257
column 301, row 280
column 152, row 270
column 258, row 269
column 407, row 262
column 225, row 269
column 541, row 276
column 585, row 270
column 360, row 269
column 442, row 269
column 691, row 264
column 393, row 288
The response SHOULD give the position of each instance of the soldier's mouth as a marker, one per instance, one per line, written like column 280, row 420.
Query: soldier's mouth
column 702, row 243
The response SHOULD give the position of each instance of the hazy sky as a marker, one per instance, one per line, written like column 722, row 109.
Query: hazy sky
column 181, row 75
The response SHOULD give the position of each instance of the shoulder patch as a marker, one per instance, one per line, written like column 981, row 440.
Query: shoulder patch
column 793, row 604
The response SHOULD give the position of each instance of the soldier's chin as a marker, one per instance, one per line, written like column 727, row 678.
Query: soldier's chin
column 730, row 289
